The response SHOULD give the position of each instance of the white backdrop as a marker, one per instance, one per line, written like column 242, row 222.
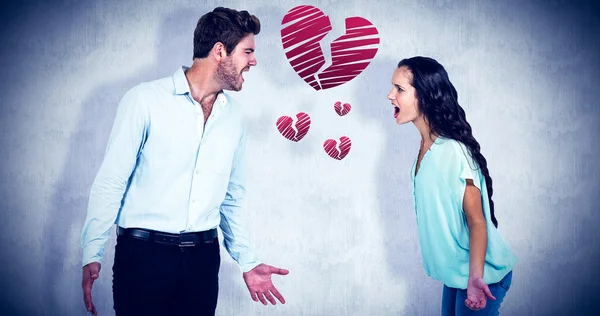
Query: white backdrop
column 526, row 74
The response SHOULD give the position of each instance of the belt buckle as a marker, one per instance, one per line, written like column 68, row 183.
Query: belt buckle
column 187, row 240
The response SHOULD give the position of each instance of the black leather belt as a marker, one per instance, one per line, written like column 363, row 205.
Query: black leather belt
column 181, row 240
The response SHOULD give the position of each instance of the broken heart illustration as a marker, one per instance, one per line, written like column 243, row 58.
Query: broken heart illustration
column 303, row 27
column 331, row 149
column 340, row 109
column 284, row 125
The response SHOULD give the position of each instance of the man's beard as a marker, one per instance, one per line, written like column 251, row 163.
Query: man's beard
column 228, row 76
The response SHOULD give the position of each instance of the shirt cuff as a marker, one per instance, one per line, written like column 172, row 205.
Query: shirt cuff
column 246, row 261
column 249, row 266
column 91, row 254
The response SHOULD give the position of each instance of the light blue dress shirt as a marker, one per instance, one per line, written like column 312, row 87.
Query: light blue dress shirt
column 165, row 170
column 438, row 191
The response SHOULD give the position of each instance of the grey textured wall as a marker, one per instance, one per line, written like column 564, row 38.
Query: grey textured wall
column 527, row 73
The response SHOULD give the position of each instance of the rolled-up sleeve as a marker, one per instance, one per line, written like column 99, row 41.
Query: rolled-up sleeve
column 107, row 193
column 461, row 166
column 233, row 217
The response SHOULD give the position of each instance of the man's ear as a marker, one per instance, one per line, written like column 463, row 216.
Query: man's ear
column 218, row 51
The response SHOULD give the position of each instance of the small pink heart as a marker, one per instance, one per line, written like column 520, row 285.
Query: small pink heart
column 340, row 109
column 284, row 125
column 331, row 149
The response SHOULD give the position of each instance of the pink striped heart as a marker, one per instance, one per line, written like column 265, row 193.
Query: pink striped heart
column 284, row 125
column 340, row 109
column 331, row 149
column 303, row 27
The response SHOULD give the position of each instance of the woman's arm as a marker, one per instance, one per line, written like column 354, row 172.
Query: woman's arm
column 477, row 290
column 477, row 229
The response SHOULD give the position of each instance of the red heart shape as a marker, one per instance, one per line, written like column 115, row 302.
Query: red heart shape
column 284, row 125
column 340, row 109
column 330, row 147
column 305, row 26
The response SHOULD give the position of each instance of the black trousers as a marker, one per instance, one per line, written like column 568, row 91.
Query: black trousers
column 157, row 279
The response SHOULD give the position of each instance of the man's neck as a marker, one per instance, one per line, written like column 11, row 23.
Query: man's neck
column 201, row 80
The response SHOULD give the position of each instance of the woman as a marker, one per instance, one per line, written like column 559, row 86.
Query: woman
column 452, row 190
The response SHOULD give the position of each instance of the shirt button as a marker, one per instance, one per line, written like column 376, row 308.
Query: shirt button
column 193, row 200
column 197, row 171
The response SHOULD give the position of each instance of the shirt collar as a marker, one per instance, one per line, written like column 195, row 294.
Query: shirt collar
column 180, row 82
column 221, row 99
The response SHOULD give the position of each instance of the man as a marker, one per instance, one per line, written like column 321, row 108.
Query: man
column 173, row 171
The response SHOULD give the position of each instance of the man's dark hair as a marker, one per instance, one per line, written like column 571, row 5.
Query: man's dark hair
column 223, row 25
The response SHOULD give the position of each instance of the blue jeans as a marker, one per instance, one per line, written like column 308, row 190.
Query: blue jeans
column 453, row 300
